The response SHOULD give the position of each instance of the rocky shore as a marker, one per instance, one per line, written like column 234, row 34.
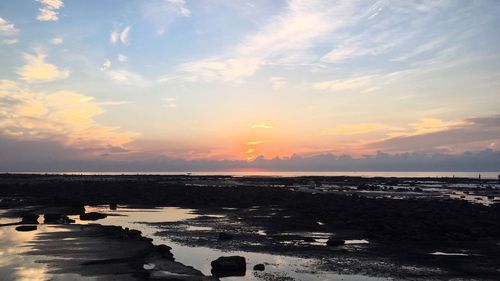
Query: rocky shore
column 310, row 217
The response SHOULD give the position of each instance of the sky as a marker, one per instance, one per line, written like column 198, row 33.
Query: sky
column 180, row 84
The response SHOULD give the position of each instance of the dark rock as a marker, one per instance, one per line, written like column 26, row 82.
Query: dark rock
column 259, row 267
column 30, row 219
column 335, row 242
column 225, row 236
column 133, row 233
column 56, row 219
column 92, row 216
column 26, row 228
column 164, row 251
column 229, row 266
column 113, row 206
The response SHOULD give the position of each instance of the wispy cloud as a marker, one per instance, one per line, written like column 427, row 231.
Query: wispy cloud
column 286, row 38
column 106, row 65
column 170, row 102
column 262, row 126
column 180, row 7
column 122, row 58
column 256, row 142
column 120, row 36
column 125, row 77
column 8, row 32
column 7, row 28
column 356, row 129
column 57, row 41
column 37, row 69
column 278, row 82
column 48, row 12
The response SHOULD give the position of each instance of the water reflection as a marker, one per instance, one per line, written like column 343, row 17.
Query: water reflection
column 200, row 257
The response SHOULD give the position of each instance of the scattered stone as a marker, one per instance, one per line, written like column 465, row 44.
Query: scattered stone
column 225, row 236
column 335, row 242
column 149, row 266
column 259, row 267
column 57, row 219
column 30, row 219
column 92, row 216
column 229, row 266
column 25, row 228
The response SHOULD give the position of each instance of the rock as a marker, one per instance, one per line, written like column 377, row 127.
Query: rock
column 259, row 267
column 113, row 206
column 229, row 266
column 26, row 228
column 30, row 219
column 335, row 242
column 92, row 216
column 57, row 219
column 164, row 251
column 225, row 236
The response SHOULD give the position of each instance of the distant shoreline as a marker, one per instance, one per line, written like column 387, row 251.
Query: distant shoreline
column 368, row 174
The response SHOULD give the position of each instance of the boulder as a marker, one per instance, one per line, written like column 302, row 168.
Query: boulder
column 24, row 228
column 30, row 219
column 335, row 242
column 229, row 266
column 92, row 216
column 259, row 267
column 57, row 219
column 225, row 236
column 164, row 251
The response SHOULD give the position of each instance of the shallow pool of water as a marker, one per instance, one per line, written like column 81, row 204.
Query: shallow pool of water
column 201, row 257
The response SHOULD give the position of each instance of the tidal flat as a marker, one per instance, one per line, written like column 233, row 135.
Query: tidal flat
column 158, row 227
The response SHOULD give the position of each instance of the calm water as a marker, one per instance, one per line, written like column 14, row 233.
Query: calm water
column 16, row 265
column 484, row 175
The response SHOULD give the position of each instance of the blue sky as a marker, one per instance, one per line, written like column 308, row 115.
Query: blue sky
column 132, row 80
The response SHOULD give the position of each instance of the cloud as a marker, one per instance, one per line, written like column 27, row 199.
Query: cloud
column 180, row 7
column 7, row 28
column 37, row 70
column 125, row 77
column 8, row 32
column 122, row 58
column 106, row 65
column 169, row 102
column 357, row 129
column 262, row 126
column 256, row 142
column 368, row 82
column 57, row 41
column 286, row 38
column 162, row 13
column 48, row 12
column 433, row 134
column 278, row 82
column 120, row 36
column 63, row 116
